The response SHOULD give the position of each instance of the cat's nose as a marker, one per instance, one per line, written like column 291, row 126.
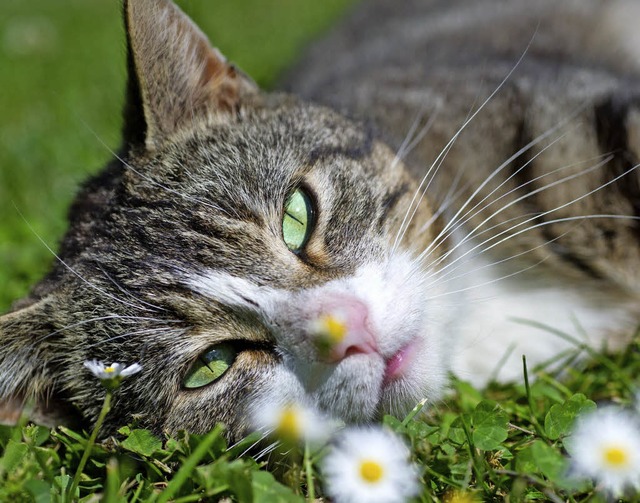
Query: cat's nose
column 341, row 330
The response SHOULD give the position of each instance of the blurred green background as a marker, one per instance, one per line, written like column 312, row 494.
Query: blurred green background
column 62, row 72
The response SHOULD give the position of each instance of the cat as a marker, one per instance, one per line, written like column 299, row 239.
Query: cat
column 440, row 180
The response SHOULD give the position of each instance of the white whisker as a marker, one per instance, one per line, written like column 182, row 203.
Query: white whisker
column 450, row 143
column 543, row 214
column 519, row 199
column 75, row 273
column 151, row 180
column 143, row 331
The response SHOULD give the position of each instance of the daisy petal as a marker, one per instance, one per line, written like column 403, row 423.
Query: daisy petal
column 369, row 464
column 605, row 447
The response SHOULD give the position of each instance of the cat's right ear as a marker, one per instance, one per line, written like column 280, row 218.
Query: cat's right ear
column 176, row 78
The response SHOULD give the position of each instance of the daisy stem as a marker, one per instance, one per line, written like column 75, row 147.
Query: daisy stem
column 311, row 493
column 106, row 406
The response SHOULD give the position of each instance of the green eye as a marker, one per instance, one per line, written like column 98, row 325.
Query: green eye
column 210, row 365
column 298, row 220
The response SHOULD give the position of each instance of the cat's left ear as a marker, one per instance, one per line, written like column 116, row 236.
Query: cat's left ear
column 175, row 77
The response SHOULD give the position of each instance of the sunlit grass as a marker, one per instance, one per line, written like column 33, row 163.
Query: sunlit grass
column 508, row 441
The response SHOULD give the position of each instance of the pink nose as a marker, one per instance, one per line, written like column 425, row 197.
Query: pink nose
column 343, row 330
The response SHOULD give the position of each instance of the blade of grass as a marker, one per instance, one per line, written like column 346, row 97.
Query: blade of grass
column 189, row 465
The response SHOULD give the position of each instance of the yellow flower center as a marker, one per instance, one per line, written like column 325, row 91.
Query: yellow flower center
column 333, row 329
column 371, row 471
column 615, row 456
column 461, row 497
column 289, row 424
column 109, row 370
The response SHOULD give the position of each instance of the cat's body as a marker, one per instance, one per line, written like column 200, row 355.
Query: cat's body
column 571, row 102
column 179, row 246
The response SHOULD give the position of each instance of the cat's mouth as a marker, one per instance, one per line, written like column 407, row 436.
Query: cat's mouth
column 400, row 362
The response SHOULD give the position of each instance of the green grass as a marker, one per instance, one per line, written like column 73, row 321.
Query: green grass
column 62, row 72
column 505, row 444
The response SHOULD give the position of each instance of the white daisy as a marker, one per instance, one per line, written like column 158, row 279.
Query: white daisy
column 369, row 464
column 292, row 423
column 605, row 446
column 111, row 375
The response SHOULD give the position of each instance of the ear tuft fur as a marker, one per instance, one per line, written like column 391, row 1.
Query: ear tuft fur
column 175, row 76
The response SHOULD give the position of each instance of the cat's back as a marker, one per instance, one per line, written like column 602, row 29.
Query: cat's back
column 429, row 35
column 523, row 117
column 555, row 84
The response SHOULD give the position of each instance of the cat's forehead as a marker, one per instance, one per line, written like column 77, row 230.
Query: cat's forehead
column 215, row 198
column 272, row 140
column 250, row 165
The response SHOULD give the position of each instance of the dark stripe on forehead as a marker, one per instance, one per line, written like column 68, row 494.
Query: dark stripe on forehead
column 611, row 129
column 350, row 146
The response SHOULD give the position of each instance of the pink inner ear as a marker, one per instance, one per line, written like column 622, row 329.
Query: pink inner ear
column 178, row 74
column 220, row 79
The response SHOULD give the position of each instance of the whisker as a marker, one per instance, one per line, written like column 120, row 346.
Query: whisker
column 487, row 283
column 263, row 436
column 131, row 319
column 144, row 331
column 73, row 271
column 126, row 292
column 267, row 450
column 542, row 224
column 573, row 201
column 151, row 180
column 517, row 200
column 405, row 150
column 449, row 198
column 400, row 154
column 450, row 143
column 454, row 221
column 443, row 279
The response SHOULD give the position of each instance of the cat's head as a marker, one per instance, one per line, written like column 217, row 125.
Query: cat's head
column 245, row 248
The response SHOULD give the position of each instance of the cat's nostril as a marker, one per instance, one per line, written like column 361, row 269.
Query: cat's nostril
column 352, row 350
column 356, row 350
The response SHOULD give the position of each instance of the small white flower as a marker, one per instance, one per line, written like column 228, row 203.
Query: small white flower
column 292, row 423
column 111, row 375
column 328, row 330
column 369, row 464
column 605, row 446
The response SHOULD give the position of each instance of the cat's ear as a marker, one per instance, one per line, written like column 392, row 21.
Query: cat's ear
column 175, row 77
column 28, row 373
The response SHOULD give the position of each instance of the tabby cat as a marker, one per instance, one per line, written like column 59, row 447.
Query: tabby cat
column 453, row 180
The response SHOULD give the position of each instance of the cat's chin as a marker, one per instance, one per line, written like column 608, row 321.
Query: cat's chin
column 364, row 387
column 412, row 375
column 351, row 392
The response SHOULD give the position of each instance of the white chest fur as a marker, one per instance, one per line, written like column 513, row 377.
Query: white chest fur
column 504, row 318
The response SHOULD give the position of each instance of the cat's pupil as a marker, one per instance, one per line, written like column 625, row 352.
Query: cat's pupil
column 298, row 220
column 210, row 366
